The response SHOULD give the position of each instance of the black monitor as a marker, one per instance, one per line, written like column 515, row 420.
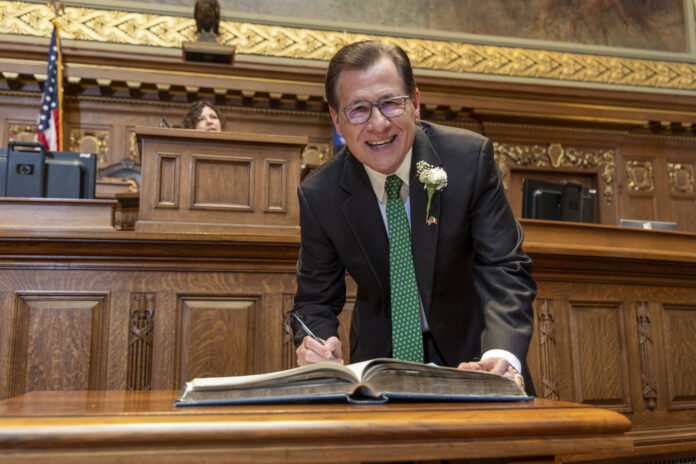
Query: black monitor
column 557, row 201
column 27, row 170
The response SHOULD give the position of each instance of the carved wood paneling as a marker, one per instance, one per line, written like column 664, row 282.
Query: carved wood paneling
column 316, row 154
column 21, row 131
column 680, row 349
column 167, row 180
column 132, row 151
column 288, row 356
column 599, row 354
column 556, row 156
column 646, row 346
column 222, row 183
column 548, row 347
column 140, row 343
column 275, row 186
column 217, row 336
column 92, row 140
column 344, row 327
column 681, row 178
column 58, row 342
column 640, row 176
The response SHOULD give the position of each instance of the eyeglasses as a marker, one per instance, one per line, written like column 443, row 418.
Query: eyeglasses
column 390, row 107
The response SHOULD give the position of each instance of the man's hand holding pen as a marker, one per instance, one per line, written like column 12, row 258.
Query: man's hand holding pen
column 312, row 351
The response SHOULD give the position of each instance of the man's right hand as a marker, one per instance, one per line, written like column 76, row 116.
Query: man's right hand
column 311, row 351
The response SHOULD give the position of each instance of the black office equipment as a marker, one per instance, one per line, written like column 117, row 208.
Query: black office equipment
column 562, row 201
column 28, row 170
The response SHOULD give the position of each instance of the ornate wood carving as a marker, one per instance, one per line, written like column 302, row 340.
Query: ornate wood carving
column 140, row 329
column 555, row 156
column 140, row 28
column 548, row 350
column 646, row 347
column 132, row 144
column 640, row 176
column 681, row 177
column 91, row 141
column 289, row 359
column 21, row 132
column 314, row 154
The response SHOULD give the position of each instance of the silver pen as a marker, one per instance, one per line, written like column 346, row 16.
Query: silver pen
column 310, row 333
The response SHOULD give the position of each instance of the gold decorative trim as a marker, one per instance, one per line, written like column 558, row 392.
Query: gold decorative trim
column 91, row 140
column 639, row 176
column 681, row 177
column 21, row 132
column 132, row 28
column 555, row 156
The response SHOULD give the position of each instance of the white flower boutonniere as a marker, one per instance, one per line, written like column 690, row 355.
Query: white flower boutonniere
column 433, row 179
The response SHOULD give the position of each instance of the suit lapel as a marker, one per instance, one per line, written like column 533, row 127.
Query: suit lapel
column 423, row 237
column 362, row 214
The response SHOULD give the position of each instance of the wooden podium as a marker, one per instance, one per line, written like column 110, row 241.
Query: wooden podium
column 218, row 182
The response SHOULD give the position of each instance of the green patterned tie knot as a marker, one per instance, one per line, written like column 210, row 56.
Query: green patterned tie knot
column 407, row 339
column 393, row 186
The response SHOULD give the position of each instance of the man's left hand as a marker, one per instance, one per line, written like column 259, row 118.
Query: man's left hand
column 498, row 366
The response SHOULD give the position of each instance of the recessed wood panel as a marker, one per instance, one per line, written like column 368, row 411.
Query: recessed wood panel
column 275, row 186
column 167, row 182
column 217, row 337
column 680, row 349
column 222, row 183
column 599, row 353
column 58, row 342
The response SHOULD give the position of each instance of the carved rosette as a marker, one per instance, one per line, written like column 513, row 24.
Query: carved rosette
column 137, row 28
column 555, row 156
column 548, row 351
column 140, row 329
column 645, row 347
column 681, row 177
column 640, row 176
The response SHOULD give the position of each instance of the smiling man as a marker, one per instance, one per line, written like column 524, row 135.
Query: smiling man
column 416, row 214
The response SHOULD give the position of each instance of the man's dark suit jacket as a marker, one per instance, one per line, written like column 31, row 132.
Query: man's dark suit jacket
column 473, row 277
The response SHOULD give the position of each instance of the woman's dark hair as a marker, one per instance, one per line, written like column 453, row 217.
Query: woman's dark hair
column 362, row 55
column 194, row 112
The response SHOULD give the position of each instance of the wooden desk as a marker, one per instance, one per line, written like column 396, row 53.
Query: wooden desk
column 114, row 426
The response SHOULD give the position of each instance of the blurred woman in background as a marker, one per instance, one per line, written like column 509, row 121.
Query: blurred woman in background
column 202, row 115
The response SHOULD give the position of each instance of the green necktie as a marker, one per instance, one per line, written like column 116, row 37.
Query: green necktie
column 407, row 339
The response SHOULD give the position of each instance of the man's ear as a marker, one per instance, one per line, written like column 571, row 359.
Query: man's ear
column 334, row 117
column 416, row 104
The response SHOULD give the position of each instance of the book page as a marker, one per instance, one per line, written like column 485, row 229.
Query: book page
column 328, row 369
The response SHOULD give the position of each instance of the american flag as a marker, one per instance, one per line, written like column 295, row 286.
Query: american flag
column 50, row 121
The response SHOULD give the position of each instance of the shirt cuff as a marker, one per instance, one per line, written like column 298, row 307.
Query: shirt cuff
column 509, row 357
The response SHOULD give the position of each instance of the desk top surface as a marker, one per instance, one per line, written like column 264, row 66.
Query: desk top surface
column 61, row 421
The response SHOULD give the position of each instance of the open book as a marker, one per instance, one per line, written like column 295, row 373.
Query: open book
column 377, row 380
